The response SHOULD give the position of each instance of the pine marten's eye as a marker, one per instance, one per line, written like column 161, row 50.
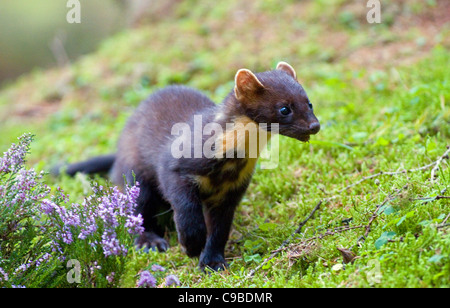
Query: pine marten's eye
column 285, row 110
column 310, row 105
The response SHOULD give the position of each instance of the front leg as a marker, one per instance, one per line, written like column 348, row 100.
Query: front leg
column 188, row 215
column 218, row 224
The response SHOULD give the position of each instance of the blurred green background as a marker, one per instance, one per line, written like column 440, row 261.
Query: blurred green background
column 36, row 33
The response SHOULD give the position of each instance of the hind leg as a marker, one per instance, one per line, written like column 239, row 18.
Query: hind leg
column 150, row 204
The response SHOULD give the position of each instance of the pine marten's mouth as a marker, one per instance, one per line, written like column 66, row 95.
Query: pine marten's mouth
column 304, row 138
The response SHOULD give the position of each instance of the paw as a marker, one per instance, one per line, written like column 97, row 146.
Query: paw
column 192, row 243
column 212, row 262
column 193, row 249
column 151, row 241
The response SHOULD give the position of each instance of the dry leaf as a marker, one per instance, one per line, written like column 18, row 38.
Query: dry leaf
column 347, row 254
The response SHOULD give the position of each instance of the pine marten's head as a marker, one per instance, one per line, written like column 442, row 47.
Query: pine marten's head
column 277, row 97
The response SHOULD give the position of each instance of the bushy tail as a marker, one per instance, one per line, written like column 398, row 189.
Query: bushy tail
column 100, row 164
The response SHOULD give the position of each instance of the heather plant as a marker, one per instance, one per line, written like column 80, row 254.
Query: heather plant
column 25, row 257
column 95, row 236
column 155, row 274
column 45, row 242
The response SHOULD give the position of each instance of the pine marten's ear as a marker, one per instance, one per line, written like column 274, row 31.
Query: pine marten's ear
column 287, row 68
column 246, row 83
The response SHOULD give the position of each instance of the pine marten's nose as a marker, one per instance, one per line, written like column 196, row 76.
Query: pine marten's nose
column 314, row 128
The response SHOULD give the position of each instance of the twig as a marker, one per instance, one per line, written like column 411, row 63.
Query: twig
column 384, row 173
column 438, row 162
column 441, row 197
column 443, row 225
column 375, row 214
column 429, row 199
column 434, row 164
column 303, row 223
column 286, row 242
column 284, row 247
column 445, row 220
column 322, row 235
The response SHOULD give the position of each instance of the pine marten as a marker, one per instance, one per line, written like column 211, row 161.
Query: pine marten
column 202, row 191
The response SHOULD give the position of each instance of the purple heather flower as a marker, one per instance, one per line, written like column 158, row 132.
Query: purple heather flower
column 172, row 280
column 49, row 207
column 134, row 224
column 111, row 245
column 133, row 192
column 67, row 218
column 146, row 280
column 3, row 275
column 22, row 268
column 24, row 191
column 110, row 277
column 158, row 268
column 44, row 259
column 114, row 209
column 14, row 158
